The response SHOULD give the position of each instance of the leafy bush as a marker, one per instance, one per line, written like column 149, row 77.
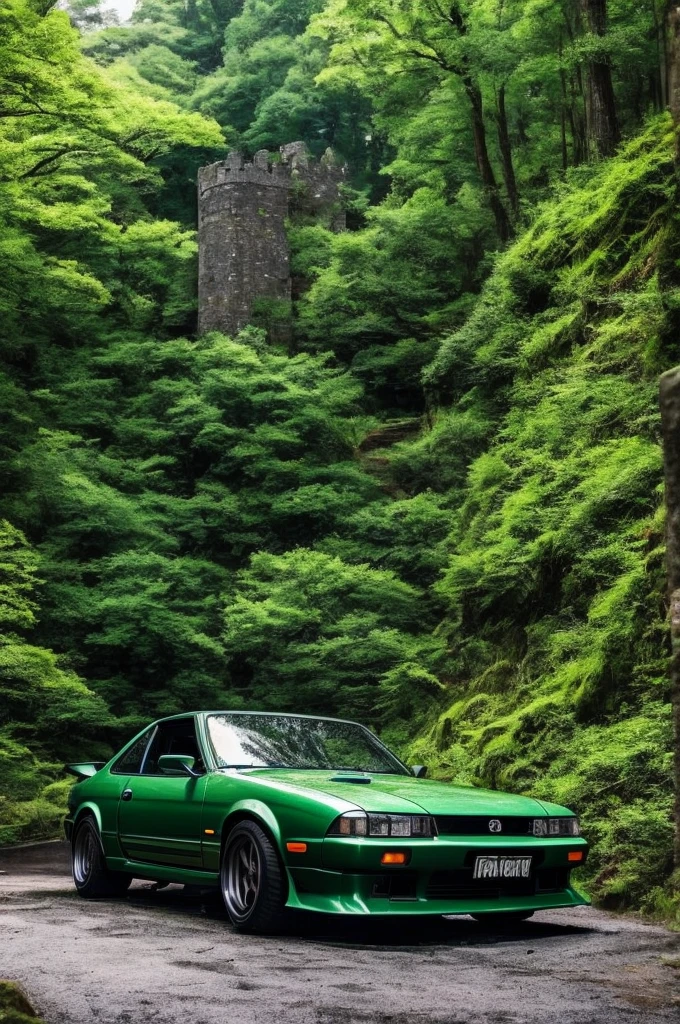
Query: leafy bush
column 308, row 630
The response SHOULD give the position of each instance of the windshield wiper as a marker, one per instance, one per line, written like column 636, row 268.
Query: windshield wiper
column 239, row 766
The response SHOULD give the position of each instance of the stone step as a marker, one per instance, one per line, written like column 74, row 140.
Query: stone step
column 390, row 433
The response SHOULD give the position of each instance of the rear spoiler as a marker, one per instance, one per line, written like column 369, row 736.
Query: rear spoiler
column 85, row 769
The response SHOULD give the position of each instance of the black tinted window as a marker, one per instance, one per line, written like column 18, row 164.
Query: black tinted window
column 130, row 763
column 174, row 737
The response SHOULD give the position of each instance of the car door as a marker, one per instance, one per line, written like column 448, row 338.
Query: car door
column 159, row 816
column 126, row 765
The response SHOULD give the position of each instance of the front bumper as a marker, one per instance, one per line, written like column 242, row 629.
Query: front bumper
column 345, row 876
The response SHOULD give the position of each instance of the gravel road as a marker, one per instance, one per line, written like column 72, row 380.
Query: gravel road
column 170, row 956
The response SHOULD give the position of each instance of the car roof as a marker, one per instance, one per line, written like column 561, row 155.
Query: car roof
column 272, row 714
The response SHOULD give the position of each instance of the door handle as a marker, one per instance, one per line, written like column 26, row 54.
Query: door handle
column 126, row 794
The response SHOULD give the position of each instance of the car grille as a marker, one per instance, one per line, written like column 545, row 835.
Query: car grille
column 460, row 885
column 478, row 825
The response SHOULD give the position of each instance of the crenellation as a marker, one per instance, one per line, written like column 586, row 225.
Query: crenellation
column 224, row 174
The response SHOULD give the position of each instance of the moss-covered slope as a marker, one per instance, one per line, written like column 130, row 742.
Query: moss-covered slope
column 554, row 589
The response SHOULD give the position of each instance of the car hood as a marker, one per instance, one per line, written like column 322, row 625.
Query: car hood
column 402, row 794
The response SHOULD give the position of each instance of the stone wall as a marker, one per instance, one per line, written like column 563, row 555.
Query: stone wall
column 243, row 249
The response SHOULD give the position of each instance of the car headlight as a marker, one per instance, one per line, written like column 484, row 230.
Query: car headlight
column 395, row 826
column 556, row 827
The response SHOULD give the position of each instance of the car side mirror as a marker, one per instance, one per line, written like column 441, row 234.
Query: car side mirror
column 178, row 764
column 419, row 770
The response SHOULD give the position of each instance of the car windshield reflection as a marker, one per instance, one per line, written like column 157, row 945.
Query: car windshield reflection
column 288, row 741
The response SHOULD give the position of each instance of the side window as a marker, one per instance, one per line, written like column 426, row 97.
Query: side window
column 174, row 737
column 130, row 763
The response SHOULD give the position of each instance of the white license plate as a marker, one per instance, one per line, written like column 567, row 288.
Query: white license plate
column 502, row 867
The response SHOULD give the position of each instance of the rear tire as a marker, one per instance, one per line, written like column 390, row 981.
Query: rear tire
column 253, row 881
column 91, row 876
column 503, row 918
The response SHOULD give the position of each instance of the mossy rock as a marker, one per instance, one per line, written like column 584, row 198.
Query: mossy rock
column 14, row 1006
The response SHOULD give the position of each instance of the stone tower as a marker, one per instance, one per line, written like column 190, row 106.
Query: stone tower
column 243, row 252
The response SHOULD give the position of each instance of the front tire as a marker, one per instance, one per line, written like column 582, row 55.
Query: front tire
column 253, row 881
column 92, row 878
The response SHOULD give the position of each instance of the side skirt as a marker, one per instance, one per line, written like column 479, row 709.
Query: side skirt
column 164, row 872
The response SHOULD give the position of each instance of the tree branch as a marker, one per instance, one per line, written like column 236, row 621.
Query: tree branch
column 57, row 155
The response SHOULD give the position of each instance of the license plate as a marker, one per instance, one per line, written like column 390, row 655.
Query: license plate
column 502, row 867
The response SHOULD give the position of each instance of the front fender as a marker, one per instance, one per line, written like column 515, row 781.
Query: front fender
column 253, row 809
column 216, row 828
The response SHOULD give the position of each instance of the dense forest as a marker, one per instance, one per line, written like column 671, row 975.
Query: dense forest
column 439, row 509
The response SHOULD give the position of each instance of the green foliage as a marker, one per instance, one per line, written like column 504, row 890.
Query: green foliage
column 41, row 702
column 405, row 536
column 18, row 566
column 308, row 629
column 203, row 453
column 554, row 585
column 75, row 161
column 406, row 274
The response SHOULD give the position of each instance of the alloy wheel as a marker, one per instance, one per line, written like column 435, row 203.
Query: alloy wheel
column 242, row 877
column 84, row 854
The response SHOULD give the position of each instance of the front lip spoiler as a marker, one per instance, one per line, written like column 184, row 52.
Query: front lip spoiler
column 347, row 893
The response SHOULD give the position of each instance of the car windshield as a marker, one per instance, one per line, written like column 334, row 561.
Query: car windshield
column 284, row 741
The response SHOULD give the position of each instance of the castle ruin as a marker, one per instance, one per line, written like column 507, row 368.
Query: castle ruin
column 243, row 252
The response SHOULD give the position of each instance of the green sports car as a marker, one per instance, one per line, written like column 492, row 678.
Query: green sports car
column 289, row 812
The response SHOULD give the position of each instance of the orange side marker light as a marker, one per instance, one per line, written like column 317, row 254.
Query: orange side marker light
column 209, row 831
column 296, row 847
column 575, row 856
column 393, row 858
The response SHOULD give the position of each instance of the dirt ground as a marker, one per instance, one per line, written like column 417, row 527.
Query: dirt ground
column 170, row 956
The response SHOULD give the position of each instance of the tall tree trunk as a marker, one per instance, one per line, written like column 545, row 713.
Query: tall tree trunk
column 669, row 401
column 563, row 112
column 577, row 123
column 505, row 148
column 456, row 18
column 563, row 136
column 661, row 76
column 583, row 117
column 576, row 110
column 673, row 60
column 483, row 162
column 603, row 123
